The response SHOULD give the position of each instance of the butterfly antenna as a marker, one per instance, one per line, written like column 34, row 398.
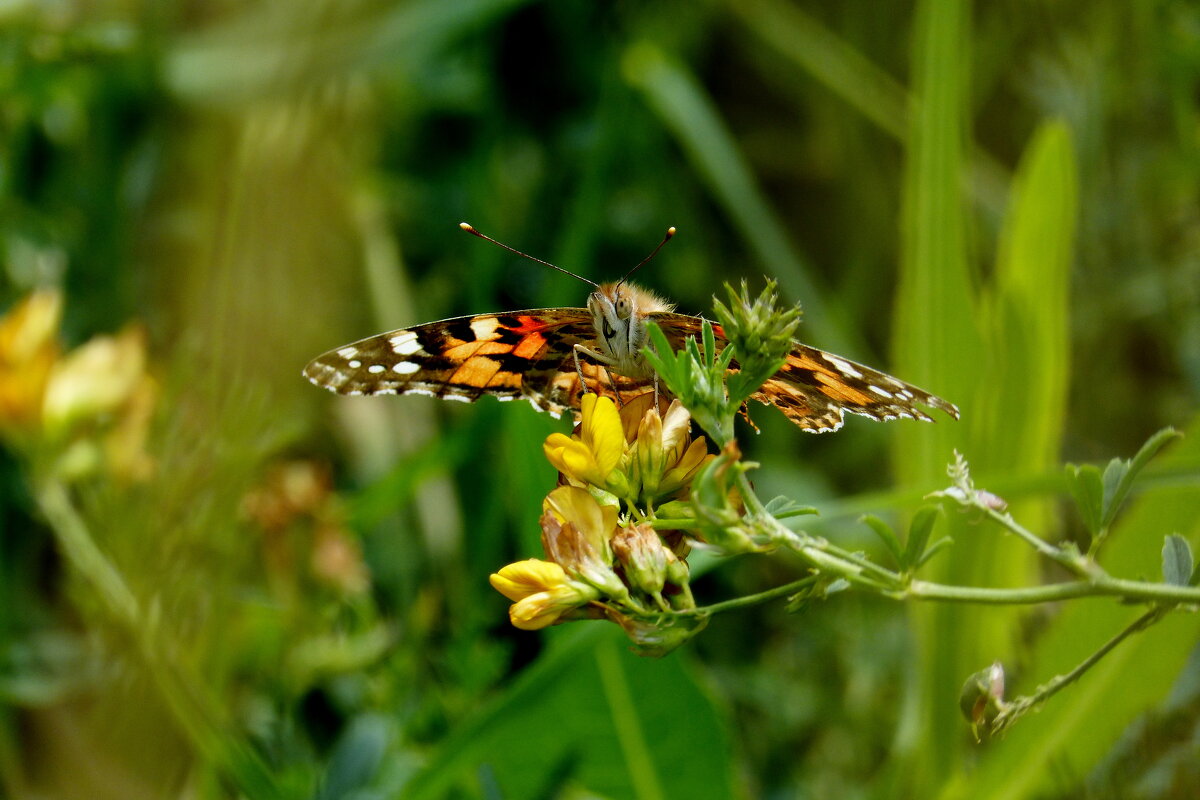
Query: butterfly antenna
column 653, row 253
column 471, row 230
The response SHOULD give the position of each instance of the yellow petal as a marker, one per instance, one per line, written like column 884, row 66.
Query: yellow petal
column 676, row 425
column 28, row 351
column 524, row 578
column 577, row 506
column 30, row 326
column 650, row 455
column 602, row 433
column 682, row 473
column 570, row 457
column 633, row 411
column 534, row 612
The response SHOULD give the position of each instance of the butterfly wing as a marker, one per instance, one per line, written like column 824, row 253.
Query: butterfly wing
column 525, row 354
column 814, row 389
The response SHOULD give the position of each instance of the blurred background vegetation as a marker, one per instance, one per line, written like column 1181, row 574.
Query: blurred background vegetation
column 288, row 597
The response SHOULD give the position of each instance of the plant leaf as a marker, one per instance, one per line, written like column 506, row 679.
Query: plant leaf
column 1125, row 474
column 918, row 535
column 933, row 549
column 1177, row 564
column 1087, row 487
column 887, row 536
column 782, row 507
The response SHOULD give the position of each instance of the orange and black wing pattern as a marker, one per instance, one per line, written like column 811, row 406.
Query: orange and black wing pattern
column 519, row 354
column 815, row 389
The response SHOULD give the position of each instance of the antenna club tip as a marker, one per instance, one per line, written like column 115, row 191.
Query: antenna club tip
column 670, row 231
column 466, row 226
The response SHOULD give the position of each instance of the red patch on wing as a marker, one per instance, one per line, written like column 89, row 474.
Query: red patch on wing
column 530, row 346
column 530, row 325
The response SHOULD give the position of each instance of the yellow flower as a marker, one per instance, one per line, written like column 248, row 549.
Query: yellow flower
column 28, row 351
column 575, row 533
column 577, row 506
column 95, row 379
column 665, row 458
column 540, row 591
column 590, row 456
column 93, row 406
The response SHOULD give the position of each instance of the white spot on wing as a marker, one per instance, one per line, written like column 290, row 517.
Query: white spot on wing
column 484, row 327
column 881, row 391
column 405, row 343
column 406, row 367
column 348, row 352
column 843, row 366
column 355, row 363
column 375, row 369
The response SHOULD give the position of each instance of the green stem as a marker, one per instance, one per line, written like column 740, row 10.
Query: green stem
column 821, row 553
column 1076, row 564
column 1096, row 587
column 1022, row 705
column 754, row 599
column 81, row 551
column 192, row 710
column 753, row 504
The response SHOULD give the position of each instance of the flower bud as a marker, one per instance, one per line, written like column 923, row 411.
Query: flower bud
column 643, row 556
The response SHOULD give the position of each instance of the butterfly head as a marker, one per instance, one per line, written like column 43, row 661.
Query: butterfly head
column 618, row 314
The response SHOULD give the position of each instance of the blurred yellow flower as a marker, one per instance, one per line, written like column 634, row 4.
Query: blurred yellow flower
column 28, row 351
column 93, row 406
column 337, row 560
column 95, row 379
column 540, row 591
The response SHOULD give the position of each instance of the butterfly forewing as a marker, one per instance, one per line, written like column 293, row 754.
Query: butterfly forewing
column 519, row 354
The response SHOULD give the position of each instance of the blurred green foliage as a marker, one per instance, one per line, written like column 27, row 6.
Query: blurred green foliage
column 1005, row 198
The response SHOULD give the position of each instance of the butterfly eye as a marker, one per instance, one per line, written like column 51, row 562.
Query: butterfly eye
column 623, row 307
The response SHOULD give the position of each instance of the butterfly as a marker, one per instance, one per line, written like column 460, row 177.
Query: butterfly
column 552, row 356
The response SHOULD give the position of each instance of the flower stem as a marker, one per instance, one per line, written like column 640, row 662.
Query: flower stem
column 194, row 712
column 1020, row 706
column 1081, row 566
column 755, row 599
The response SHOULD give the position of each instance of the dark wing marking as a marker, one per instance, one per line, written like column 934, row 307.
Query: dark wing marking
column 814, row 388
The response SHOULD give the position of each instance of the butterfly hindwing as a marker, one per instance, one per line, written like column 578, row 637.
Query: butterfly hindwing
column 814, row 388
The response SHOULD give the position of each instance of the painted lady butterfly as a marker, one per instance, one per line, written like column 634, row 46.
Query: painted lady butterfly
column 551, row 356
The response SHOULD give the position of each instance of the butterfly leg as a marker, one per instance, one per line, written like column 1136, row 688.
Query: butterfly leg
column 613, row 384
column 601, row 359
column 583, row 387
